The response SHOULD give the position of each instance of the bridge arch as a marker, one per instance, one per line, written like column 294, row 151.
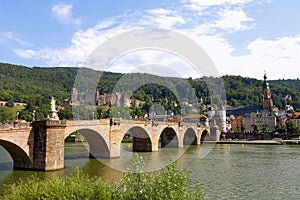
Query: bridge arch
column 20, row 157
column 141, row 140
column 169, row 138
column 190, row 137
column 204, row 136
column 98, row 145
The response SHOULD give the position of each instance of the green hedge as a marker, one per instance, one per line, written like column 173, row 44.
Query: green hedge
column 167, row 183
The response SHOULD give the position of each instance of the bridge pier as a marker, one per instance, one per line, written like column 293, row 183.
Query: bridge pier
column 48, row 145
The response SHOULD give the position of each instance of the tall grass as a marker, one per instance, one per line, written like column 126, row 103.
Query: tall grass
column 167, row 183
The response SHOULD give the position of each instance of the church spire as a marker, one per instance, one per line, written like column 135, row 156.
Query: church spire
column 266, row 84
column 267, row 102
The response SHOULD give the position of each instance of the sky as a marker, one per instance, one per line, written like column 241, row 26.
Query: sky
column 241, row 37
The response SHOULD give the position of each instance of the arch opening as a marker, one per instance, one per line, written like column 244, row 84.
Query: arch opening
column 20, row 158
column 141, row 141
column 76, row 146
column 94, row 141
column 190, row 137
column 127, row 142
column 168, row 138
column 204, row 135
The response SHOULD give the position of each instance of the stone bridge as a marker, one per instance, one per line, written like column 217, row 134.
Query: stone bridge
column 40, row 145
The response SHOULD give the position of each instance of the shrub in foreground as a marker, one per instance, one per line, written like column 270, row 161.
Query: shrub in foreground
column 167, row 183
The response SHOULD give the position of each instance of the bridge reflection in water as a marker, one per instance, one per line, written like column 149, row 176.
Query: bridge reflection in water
column 40, row 146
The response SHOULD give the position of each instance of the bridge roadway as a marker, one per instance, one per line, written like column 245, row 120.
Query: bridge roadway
column 40, row 145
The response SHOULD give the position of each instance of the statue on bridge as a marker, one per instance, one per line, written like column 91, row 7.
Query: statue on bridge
column 52, row 112
column 52, row 104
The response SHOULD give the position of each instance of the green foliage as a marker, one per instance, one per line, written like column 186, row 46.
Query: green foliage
column 77, row 186
column 291, row 126
column 243, row 128
column 167, row 183
column 280, row 129
column 265, row 128
column 243, row 91
column 5, row 114
column 255, row 128
column 8, row 114
column 35, row 85
column 65, row 113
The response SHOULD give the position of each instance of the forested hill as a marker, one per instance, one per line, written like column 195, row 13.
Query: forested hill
column 37, row 84
column 243, row 91
column 23, row 84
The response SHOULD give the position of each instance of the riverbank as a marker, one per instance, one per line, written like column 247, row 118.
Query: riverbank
column 260, row 142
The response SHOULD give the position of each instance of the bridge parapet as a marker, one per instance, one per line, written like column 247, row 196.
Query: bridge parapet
column 87, row 122
column 20, row 125
column 49, row 123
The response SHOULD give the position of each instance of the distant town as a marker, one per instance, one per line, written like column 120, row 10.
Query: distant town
column 248, row 122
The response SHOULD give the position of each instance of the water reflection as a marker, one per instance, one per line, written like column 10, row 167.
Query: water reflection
column 238, row 172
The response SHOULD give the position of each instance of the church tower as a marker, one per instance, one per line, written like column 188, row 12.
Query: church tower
column 267, row 102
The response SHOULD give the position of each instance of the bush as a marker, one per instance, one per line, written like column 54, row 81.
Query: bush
column 167, row 183
column 76, row 186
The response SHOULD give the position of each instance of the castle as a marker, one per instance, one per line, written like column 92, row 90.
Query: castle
column 95, row 98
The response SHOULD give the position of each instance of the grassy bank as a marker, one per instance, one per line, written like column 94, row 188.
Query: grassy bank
column 167, row 183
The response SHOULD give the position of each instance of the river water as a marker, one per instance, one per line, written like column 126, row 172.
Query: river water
column 226, row 172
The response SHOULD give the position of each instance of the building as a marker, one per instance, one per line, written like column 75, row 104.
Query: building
column 264, row 121
column 4, row 103
column 199, row 119
column 242, row 110
column 236, row 124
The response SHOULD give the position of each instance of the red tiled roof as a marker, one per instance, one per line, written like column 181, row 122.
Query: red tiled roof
column 296, row 115
column 195, row 116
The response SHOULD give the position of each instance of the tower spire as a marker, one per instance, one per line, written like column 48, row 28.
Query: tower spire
column 266, row 84
column 267, row 102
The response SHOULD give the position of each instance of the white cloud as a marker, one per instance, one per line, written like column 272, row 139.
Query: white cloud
column 232, row 20
column 27, row 53
column 166, row 64
column 207, row 29
column 216, row 2
column 63, row 13
column 280, row 57
column 10, row 36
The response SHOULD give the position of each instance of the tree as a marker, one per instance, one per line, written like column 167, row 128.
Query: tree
column 243, row 128
column 265, row 128
column 255, row 128
column 65, row 113
column 280, row 129
column 6, row 114
column 291, row 126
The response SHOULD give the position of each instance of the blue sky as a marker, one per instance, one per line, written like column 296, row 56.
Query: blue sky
column 242, row 37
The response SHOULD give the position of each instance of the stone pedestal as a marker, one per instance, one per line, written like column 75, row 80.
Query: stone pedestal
column 53, row 115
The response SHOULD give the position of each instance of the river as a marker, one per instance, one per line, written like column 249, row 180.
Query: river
column 235, row 172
